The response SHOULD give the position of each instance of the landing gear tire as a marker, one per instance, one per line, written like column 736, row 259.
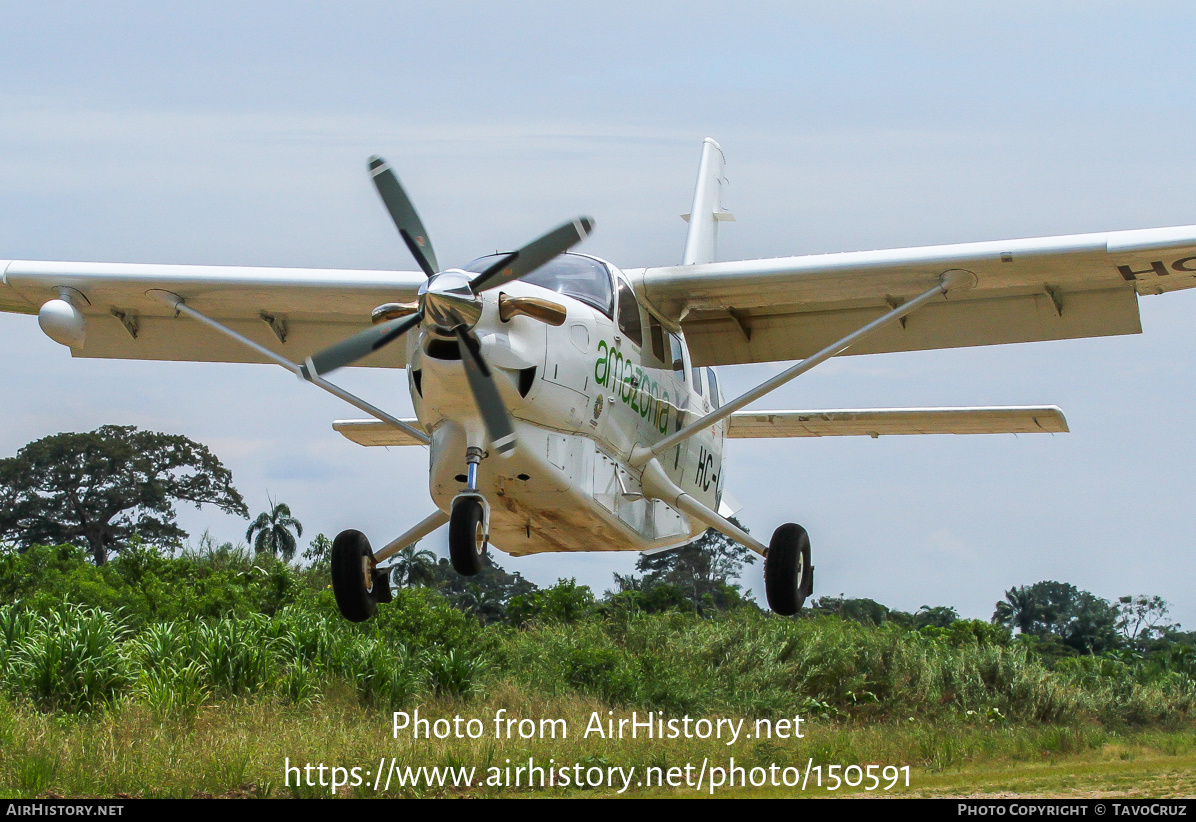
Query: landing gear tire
column 354, row 579
column 467, row 536
column 788, row 573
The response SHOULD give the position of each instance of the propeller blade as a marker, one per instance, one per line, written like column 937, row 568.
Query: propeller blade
column 352, row 349
column 403, row 213
column 533, row 255
column 485, row 393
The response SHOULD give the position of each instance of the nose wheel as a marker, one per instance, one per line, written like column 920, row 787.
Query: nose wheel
column 467, row 535
column 788, row 573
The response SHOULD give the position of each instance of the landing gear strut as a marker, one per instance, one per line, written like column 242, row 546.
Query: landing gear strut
column 357, row 583
column 468, row 522
column 788, row 573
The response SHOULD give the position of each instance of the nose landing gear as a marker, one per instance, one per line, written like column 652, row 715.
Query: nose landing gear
column 469, row 522
column 467, row 535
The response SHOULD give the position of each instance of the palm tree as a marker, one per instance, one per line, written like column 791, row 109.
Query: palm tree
column 319, row 552
column 274, row 531
column 413, row 566
column 1020, row 609
column 478, row 600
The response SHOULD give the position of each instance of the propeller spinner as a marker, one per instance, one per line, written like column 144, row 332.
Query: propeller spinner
column 449, row 302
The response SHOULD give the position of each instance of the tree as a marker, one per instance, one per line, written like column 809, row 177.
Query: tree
column 940, row 616
column 564, row 602
column 413, row 566
column 100, row 488
column 1140, row 618
column 1018, row 610
column 481, row 601
column 319, row 552
column 1092, row 625
column 490, row 585
column 1080, row 619
column 703, row 571
column 274, row 529
column 863, row 610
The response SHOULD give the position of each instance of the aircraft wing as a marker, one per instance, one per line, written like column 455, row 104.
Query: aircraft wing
column 875, row 422
column 376, row 432
column 1050, row 288
column 292, row 311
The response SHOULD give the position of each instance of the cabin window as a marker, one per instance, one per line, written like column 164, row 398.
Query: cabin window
column 677, row 352
column 715, row 400
column 656, row 334
column 629, row 315
column 572, row 275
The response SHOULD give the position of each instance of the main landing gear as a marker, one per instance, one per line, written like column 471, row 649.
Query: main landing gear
column 360, row 586
column 357, row 583
column 788, row 573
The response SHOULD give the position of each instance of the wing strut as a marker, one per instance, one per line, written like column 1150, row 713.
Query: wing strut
column 417, row 532
column 656, row 484
column 954, row 279
column 179, row 305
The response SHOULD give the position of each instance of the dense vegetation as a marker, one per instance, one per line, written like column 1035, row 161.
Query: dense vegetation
column 180, row 632
column 161, row 649
column 199, row 673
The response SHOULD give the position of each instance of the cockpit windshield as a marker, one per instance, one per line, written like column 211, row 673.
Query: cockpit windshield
column 574, row 276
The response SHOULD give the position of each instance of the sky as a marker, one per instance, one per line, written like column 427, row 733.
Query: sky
column 237, row 133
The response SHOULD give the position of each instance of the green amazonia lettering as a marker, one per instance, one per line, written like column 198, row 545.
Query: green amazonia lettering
column 626, row 371
column 602, row 364
column 636, row 381
column 636, row 389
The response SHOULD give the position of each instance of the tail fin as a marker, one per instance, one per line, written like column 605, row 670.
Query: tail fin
column 707, row 210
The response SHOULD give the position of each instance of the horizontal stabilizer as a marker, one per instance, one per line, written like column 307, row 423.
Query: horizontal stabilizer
column 728, row 506
column 873, row 422
column 377, row 432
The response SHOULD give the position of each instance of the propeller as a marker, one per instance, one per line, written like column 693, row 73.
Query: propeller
column 533, row 255
column 410, row 227
column 363, row 343
column 485, row 392
column 449, row 302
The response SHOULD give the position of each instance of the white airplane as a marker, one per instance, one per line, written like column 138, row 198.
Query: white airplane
column 570, row 405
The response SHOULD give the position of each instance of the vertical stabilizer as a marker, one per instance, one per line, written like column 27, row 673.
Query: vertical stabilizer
column 707, row 210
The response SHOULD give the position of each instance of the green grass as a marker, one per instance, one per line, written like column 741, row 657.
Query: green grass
column 238, row 746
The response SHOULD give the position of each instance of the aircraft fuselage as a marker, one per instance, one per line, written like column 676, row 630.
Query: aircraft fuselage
column 582, row 395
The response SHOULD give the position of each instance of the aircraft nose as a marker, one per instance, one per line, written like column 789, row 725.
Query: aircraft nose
column 448, row 301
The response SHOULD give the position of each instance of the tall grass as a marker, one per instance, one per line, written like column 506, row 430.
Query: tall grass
column 304, row 684
column 78, row 659
column 758, row 665
column 235, row 653
column 69, row 659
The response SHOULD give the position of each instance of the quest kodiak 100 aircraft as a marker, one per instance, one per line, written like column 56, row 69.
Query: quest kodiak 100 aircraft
column 570, row 405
